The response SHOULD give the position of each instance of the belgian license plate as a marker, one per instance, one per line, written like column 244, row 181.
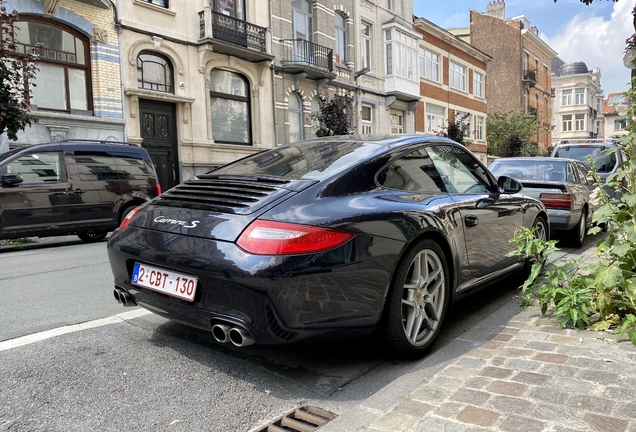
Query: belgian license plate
column 166, row 281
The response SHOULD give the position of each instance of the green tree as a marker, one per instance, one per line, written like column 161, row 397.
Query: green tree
column 509, row 133
column 334, row 118
column 16, row 78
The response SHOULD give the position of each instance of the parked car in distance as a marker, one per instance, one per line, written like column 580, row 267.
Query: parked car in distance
column 563, row 185
column 325, row 239
column 606, row 164
column 72, row 187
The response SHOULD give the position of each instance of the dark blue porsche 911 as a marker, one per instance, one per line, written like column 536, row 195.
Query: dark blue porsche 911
column 324, row 239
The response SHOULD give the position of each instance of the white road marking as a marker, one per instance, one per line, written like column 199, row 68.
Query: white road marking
column 48, row 334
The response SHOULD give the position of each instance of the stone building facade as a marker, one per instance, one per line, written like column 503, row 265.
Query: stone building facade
column 365, row 50
column 197, row 82
column 519, row 73
column 453, row 86
column 78, row 93
column 577, row 110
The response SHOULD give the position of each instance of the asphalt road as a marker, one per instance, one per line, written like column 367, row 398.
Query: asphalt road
column 146, row 373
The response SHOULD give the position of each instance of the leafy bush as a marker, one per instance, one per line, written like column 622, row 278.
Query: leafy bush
column 601, row 295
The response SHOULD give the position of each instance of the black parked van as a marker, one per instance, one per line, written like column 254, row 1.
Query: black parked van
column 72, row 187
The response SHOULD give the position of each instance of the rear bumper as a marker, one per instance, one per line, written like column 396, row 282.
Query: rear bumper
column 277, row 299
column 563, row 220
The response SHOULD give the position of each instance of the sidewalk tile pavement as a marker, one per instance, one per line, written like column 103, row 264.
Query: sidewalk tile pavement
column 526, row 375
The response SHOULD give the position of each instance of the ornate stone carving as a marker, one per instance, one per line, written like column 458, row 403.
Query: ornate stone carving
column 100, row 35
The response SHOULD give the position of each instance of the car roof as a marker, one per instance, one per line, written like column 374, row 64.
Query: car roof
column 536, row 159
column 389, row 140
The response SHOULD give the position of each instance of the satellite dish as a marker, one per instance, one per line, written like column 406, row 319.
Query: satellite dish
column 628, row 59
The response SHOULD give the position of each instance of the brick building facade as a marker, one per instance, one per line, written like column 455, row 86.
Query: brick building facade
column 453, row 86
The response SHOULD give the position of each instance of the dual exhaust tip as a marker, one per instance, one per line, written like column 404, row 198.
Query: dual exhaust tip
column 238, row 336
column 122, row 296
column 223, row 333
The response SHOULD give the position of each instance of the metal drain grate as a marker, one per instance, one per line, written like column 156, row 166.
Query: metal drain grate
column 305, row 418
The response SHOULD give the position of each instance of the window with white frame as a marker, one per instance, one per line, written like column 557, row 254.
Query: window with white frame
column 566, row 97
column 435, row 118
column 296, row 132
column 464, row 120
column 365, row 51
column 579, row 96
column 567, row 123
column 478, row 85
column 397, row 121
column 401, row 54
column 620, row 124
column 479, row 128
column 457, row 76
column 316, row 108
column 341, row 39
column 393, row 6
column 367, row 119
column 579, row 122
column 429, row 65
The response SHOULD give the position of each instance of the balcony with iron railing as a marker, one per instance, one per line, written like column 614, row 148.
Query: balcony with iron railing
column 229, row 35
column 303, row 56
column 530, row 78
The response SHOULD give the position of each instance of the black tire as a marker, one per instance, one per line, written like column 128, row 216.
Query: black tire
column 576, row 236
column 417, row 307
column 92, row 236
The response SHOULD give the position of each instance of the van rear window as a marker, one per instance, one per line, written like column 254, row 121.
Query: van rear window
column 605, row 163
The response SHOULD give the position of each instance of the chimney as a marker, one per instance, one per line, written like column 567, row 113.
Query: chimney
column 497, row 9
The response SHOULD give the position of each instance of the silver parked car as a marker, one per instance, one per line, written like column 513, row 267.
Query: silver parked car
column 563, row 185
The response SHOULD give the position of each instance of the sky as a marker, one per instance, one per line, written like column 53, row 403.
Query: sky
column 593, row 34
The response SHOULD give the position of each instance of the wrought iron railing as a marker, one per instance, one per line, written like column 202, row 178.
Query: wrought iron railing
column 235, row 31
column 303, row 51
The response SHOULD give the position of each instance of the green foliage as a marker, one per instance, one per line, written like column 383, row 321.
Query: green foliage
column 509, row 133
column 334, row 118
column 16, row 78
column 601, row 295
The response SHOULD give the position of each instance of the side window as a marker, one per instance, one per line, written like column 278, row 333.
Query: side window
column 130, row 166
column 584, row 173
column 95, row 165
column 570, row 175
column 45, row 167
column 412, row 172
column 461, row 173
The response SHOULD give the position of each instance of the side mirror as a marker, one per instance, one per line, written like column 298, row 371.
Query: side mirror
column 12, row 179
column 508, row 185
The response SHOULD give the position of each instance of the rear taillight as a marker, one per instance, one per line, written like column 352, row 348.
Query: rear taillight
column 158, row 189
column 278, row 238
column 131, row 214
column 557, row 201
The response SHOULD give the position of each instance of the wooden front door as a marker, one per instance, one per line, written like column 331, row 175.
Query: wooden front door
column 158, row 130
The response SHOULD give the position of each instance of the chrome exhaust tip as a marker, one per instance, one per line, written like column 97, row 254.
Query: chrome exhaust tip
column 221, row 332
column 240, row 337
column 124, row 298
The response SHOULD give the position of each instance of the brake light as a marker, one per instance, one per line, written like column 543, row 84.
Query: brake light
column 557, row 201
column 131, row 214
column 158, row 189
column 279, row 238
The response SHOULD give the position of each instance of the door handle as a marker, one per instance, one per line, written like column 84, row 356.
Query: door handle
column 471, row 221
column 58, row 193
column 485, row 202
column 78, row 191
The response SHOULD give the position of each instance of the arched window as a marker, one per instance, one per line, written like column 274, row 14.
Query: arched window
column 63, row 82
column 341, row 39
column 230, row 107
column 295, row 118
column 154, row 72
column 316, row 107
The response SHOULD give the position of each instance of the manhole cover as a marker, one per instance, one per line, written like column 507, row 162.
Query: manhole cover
column 305, row 418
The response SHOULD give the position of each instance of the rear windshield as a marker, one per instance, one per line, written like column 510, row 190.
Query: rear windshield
column 605, row 163
column 529, row 170
column 314, row 160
